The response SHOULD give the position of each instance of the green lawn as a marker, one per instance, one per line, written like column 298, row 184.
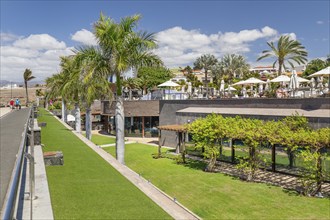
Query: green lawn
column 218, row 196
column 87, row 187
column 102, row 140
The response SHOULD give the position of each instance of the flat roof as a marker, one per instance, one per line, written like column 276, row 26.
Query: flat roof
column 176, row 127
column 320, row 113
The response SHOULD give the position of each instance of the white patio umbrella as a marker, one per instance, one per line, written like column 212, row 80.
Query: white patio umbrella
column 302, row 80
column 189, row 90
column 244, row 92
column 230, row 89
column 261, row 88
column 320, row 82
column 222, row 86
column 323, row 72
column 281, row 78
column 294, row 84
column 312, row 83
column 168, row 84
column 267, row 85
column 251, row 80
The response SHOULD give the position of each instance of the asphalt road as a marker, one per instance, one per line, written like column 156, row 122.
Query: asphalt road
column 11, row 129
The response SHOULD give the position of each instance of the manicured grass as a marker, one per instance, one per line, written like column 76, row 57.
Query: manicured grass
column 218, row 196
column 102, row 140
column 87, row 187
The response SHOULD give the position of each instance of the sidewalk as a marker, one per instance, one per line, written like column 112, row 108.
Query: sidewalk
column 4, row 111
column 150, row 141
column 167, row 203
column 41, row 205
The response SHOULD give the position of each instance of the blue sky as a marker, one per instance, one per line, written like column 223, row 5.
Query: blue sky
column 35, row 33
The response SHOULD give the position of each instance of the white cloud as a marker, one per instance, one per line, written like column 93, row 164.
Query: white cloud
column 8, row 51
column 40, row 42
column 84, row 36
column 34, row 53
column 180, row 47
column 7, row 37
column 319, row 22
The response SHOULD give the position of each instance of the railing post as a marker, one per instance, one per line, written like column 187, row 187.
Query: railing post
column 31, row 164
column 31, row 137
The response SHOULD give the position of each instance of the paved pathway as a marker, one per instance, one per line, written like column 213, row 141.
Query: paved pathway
column 173, row 208
column 11, row 129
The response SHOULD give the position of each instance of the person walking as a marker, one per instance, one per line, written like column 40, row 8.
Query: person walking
column 18, row 104
column 11, row 104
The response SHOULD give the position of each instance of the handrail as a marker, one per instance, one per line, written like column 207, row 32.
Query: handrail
column 11, row 195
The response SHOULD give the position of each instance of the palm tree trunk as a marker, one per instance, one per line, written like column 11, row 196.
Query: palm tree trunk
column 46, row 103
column 77, row 118
column 120, row 136
column 280, row 63
column 64, row 116
column 27, row 95
column 88, row 123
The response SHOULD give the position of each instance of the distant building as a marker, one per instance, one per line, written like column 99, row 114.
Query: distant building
column 299, row 69
column 10, row 86
column 263, row 70
column 179, row 78
column 200, row 74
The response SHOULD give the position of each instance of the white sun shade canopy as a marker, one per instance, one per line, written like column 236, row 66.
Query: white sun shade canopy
column 168, row 84
column 323, row 72
column 249, row 81
column 285, row 78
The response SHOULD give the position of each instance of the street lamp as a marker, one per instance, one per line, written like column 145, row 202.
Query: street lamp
column 11, row 90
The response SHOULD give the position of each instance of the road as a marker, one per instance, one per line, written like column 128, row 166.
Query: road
column 11, row 129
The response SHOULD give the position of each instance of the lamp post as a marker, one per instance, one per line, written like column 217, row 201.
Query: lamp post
column 11, row 90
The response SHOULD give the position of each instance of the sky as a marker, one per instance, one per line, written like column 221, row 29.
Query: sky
column 34, row 34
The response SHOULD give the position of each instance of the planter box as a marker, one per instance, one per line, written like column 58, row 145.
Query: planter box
column 53, row 158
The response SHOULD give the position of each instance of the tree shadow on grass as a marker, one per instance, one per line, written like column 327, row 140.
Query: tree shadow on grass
column 291, row 192
column 65, row 129
column 195, row 164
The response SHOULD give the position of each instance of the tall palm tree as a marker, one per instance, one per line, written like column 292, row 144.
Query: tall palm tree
column 73, row 86
column 206, row 62
column 231, row 65
column 287, row 50
column 27, row 75
column 124, row 48
column 55, row 85
column 93, row 79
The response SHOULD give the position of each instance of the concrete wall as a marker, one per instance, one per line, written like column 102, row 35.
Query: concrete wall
column 168, row 111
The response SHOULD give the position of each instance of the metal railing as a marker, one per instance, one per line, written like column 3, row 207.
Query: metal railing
column 10, row 205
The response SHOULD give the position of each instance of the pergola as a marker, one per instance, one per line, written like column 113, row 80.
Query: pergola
column 180, row 131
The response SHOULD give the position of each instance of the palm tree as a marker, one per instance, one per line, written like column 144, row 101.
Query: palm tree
column 73, row 86
column 55, row 85
column 232, row 65
column 287, row 50
column 27, row 77
column 205, row 62
column 93, row 80
column 132, row 83
column 124, row 48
